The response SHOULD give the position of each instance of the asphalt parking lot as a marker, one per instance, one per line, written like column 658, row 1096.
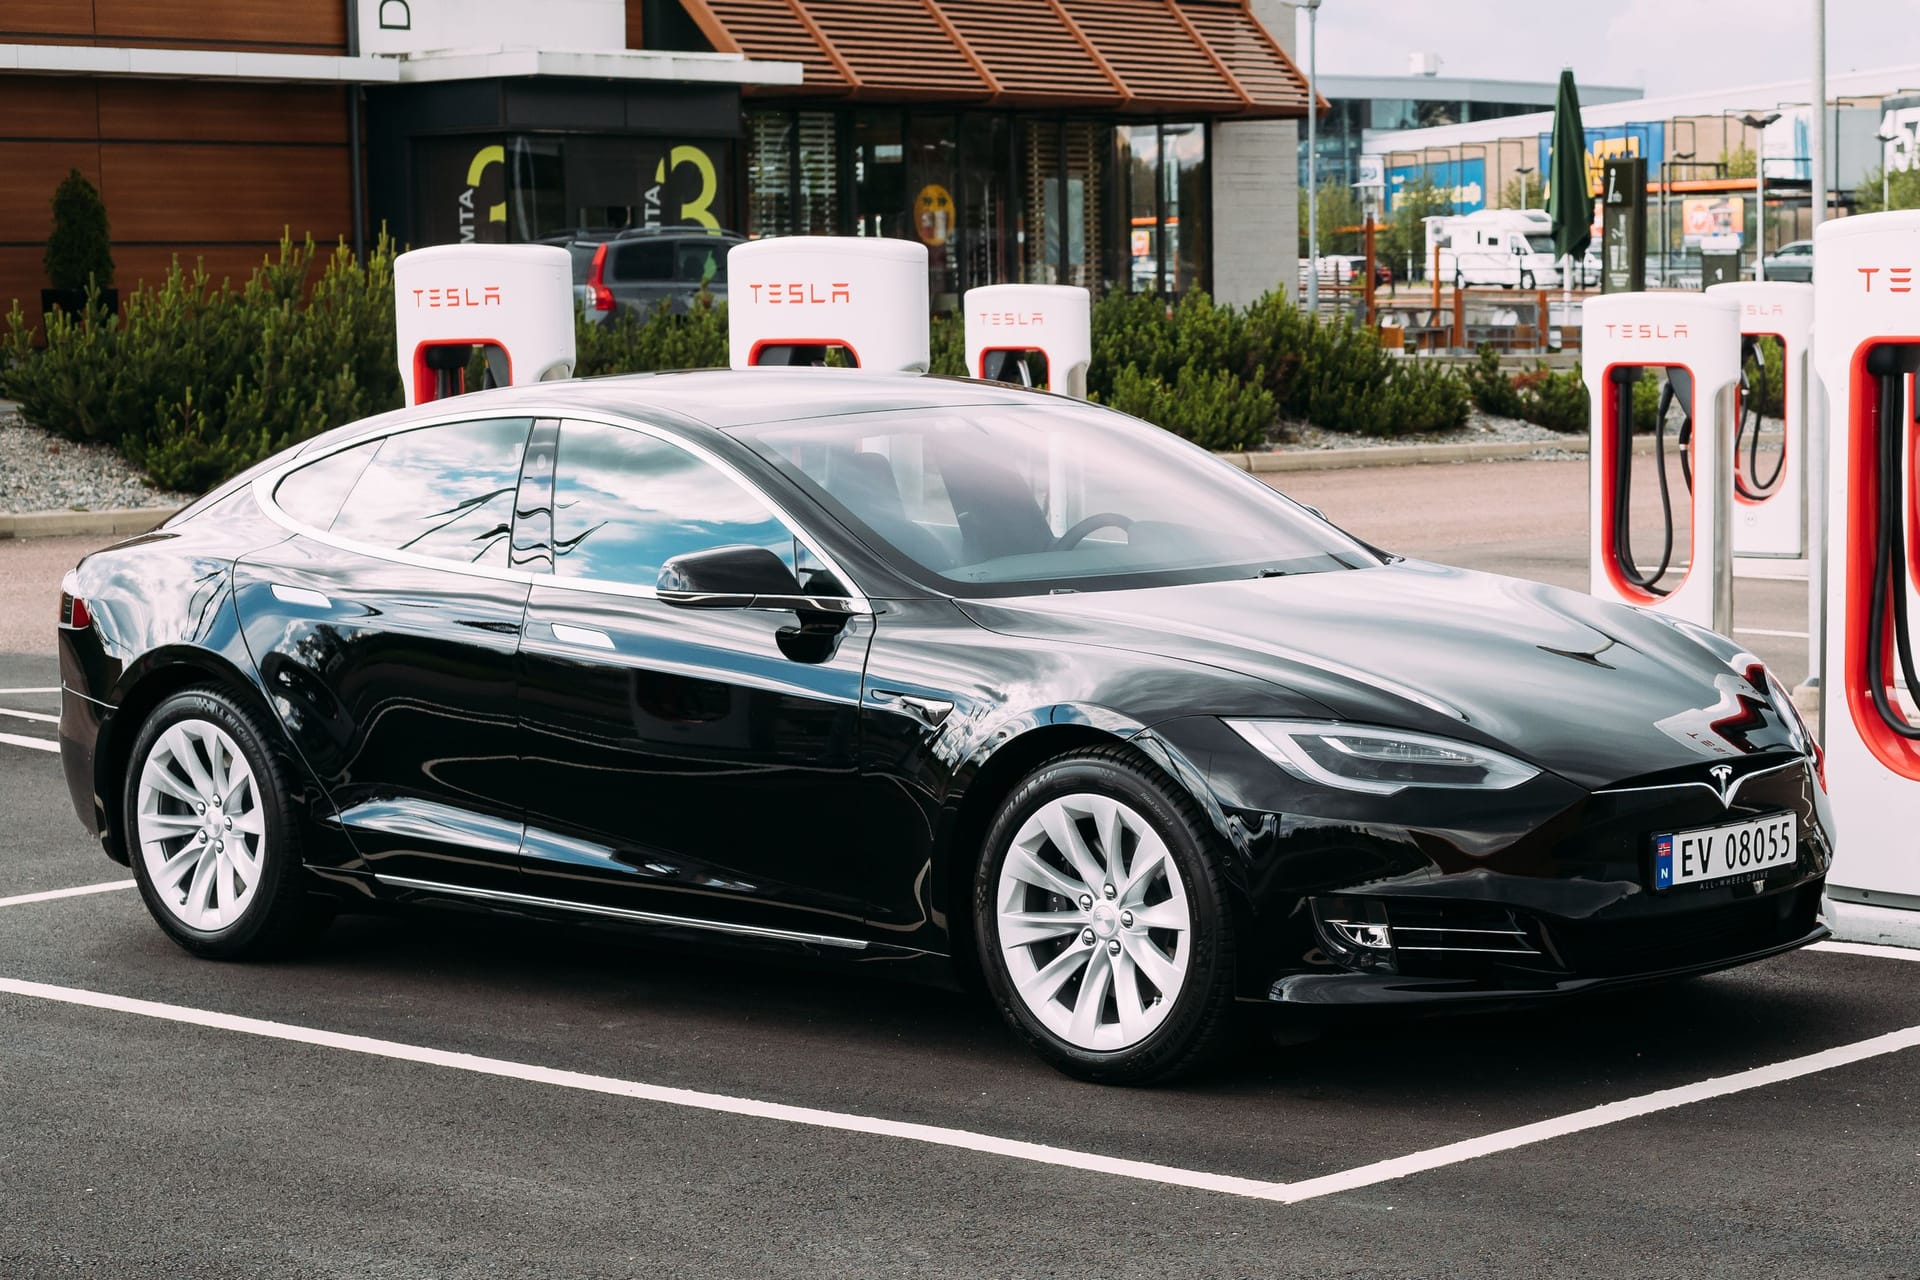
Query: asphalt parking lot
column 435, row 1095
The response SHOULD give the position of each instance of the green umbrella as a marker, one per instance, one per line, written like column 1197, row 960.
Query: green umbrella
column 1569, row 200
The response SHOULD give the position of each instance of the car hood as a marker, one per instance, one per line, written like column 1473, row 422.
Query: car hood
column 1596, row 692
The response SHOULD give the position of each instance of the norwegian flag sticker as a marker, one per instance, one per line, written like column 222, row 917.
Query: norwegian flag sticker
column 1663, row 862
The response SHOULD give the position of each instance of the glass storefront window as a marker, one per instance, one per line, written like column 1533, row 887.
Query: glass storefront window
column 1184, row 177
column 817, row 134
column 931, row 158
column 879, row 176
column 987, row 204
column 770, row 173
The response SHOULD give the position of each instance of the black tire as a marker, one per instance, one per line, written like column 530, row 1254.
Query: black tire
column 284, row 912
column 1526, row 279
column 1201, row 1025
column 1459, row 280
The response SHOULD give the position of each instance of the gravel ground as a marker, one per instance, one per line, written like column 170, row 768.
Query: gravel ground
column 41, row 472
column 1481, row 428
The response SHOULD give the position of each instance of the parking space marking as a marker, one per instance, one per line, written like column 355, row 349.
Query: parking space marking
column 847, row 1122
column 53, row 895
column 37, row 744
column 1605, row 1114
column 41, row 716
column 1768, row 631
column 1868, row 949
column 988, row 1144
column 46, row 689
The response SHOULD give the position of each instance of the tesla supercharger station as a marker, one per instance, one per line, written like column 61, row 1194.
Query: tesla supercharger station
column 513, row 301
column 1011, row 328
column 1770, row 501
column 1867, row 316
column 1691, row 343
column 793, row 299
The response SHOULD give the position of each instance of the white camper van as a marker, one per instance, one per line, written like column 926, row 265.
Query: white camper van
column 1512, row 248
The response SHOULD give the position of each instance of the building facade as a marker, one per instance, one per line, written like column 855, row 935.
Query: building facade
column 1367, row 113
column 1048, row 141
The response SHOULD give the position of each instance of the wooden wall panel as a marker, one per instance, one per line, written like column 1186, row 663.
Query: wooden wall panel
column 178, row 111
column 318, row 26
column 46, row 22
column 47, row 107
column 22, row 276
column 150, row 262
column 198, row 192
column 33, row 170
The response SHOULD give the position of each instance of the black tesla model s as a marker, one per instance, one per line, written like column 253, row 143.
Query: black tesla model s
column 946, row 674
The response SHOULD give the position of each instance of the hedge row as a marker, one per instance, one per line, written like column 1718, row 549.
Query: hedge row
column 198, row 379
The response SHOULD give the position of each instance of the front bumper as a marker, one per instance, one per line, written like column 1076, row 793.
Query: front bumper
column 1769, row 926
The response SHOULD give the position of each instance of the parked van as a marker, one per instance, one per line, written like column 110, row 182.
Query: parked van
column 1512, row 248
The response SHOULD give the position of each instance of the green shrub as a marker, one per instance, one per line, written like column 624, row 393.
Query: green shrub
column 79, row 253
column 948, row 340
column 695, row 338
column 1556, row 401
column 1211, row 407
column 1492, row 386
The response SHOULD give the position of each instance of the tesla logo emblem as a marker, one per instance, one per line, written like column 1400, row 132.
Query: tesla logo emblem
column 1644, row 330
column 1722, row 778
column 802, row 293
column 1755, row 309
column 1021, row 319
column 458, row 296
column 1899, row 279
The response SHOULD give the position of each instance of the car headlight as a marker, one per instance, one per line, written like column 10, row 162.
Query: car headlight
column 1381, row 761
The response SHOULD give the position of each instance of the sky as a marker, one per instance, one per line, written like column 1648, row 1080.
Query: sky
column 1665, row 46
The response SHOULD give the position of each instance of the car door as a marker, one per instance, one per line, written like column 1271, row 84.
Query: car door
column 385, row 631
column 695, row 763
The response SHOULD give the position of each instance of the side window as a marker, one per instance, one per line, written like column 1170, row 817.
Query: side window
column 643, row 260
column 702, row 260
column 441, row 491
column 625, row 503
column 313, row 494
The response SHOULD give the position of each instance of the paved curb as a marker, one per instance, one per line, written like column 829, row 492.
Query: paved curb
column 52, row 524
column 1406, row 455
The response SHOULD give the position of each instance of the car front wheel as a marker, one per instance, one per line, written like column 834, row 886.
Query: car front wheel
column 213, row 852
column 1103, row 932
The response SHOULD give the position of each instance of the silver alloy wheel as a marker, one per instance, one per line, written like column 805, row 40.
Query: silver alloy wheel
column 1093, row 920
column 201, row 828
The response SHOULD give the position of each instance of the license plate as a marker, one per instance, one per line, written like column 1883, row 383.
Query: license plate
column 1709, row 855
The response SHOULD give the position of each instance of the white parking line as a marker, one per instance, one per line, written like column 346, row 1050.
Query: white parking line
column 1868, row 949
column 38, row 744
column 988, row 1144
column 52, row 895
column 41, row 716
column 1767, row 631
column 45, row 689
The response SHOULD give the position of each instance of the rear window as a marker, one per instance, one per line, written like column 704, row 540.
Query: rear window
column 701, row 261
column 642, row 260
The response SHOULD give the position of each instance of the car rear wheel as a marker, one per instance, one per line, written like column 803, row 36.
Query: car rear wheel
column 213, row 852
column 1103, row 932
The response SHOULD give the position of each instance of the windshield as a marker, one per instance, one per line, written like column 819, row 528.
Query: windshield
column 1541, row 244
column 995, row 500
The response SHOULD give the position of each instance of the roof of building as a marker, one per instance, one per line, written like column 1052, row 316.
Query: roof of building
column 1464, row 88
column 1873, row 84
column 1146, row 56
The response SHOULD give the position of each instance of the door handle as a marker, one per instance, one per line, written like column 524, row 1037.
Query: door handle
column 930, row 712
column 588, row 637
column 302, row 596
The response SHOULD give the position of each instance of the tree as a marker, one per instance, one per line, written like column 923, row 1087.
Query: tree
column 1339, row 207
column 78, row 251
column 1902, row 188
column 1740, row 162
column 1403, row 241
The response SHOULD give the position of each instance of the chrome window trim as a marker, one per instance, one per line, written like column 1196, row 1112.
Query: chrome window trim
column 623, row 913
column 856, row 601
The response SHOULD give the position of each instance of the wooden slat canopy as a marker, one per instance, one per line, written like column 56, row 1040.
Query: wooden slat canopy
column 1136, row 56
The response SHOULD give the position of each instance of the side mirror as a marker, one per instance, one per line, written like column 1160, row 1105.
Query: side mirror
column 726, row 578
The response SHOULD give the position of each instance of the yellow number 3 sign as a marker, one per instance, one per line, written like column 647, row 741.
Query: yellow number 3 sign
column 699, row 208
